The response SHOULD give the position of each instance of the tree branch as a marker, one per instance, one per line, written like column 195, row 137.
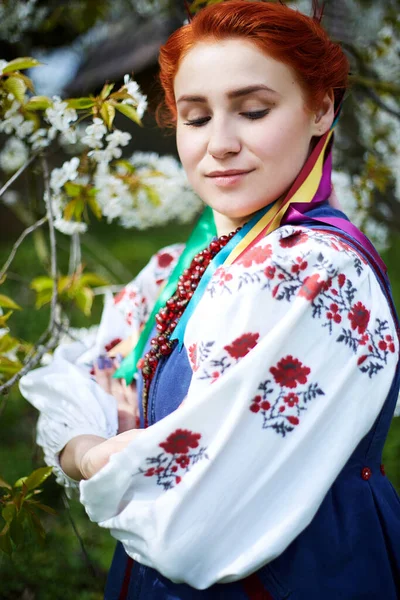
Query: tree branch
column 17, row 174
column 52, row 237
column 19, row 241
column 54, row 327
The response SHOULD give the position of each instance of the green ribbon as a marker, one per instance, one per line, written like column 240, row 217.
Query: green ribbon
column 199, row 239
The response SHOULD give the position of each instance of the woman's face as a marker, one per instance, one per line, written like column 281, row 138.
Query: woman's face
column 243, row 128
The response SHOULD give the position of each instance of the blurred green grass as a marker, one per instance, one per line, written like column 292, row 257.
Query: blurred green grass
column 58, row 571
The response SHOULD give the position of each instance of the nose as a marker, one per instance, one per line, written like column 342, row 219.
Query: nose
column 223, row 139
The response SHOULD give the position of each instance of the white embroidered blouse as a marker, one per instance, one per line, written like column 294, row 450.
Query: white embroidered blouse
column 293, row 350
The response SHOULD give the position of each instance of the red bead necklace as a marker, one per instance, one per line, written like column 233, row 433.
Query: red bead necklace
column 167, row 317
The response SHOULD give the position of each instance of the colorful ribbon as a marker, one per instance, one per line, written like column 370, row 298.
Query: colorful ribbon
column 201, row 236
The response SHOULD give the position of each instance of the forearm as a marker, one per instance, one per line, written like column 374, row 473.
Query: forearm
column 72, row 454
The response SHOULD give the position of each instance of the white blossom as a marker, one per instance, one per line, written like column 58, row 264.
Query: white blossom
column 39, row 139
column 10, row 197
column 25, row 129
column 14, row 155
column 68, row 172
column 113, row 195
column 13, row 110
column 102, row 157
column 138, row 99
column 69, row 136
column 69, row 227
column 13, row 119
column 94, row 134
column 3, row 64
column 118, row 138
column 60, row 116
column 136, row 208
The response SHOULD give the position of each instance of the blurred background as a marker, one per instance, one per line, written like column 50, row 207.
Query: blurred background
column 82, row 45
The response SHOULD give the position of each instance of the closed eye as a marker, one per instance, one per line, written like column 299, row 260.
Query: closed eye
column 252, row 115
column 257, row 114
column 197, row 122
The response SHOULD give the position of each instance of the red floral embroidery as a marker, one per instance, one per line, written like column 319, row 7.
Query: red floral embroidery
column 257, row 255
column 223, row 276
column 242, row 345
column 333, row 313
column 183, row 461
column 164, row 259
column 291, row 399
column 193, row 357
column 181, row 441
column 118, row 297
column 169, row 466
column 113, row 343
column 289, row 372
column 270, row 272
column 281, row 410
column 311, row 287
column 359, row 317
column 298, row 237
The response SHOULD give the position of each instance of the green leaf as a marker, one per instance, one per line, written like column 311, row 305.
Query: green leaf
column 107, row 89
column 5, row 541
column 84, row 300
column 28, row 82
column 16, row 529
column 42, row 283
column 81, row 103
column 7, row 343
column 17, row 87
column 107, row 112
column 127, row 165
column 37, row 477
column 8, row 366
column 95, row 208
column 36, row 525
column 64, row 283
column 18, row 64
column 43, row 298
column 73, row 189
column 9, row 512
column 121, row 95
column 6, row 302
column 92, row 279
column 152, row 195
column 4, row 484
column 4, row 318
column 38, row 103
column 20, row 481
column 129, row 111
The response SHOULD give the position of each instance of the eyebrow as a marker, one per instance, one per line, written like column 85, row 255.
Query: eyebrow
column 250, row 89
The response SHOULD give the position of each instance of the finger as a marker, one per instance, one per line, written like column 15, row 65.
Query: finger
column 103, row 370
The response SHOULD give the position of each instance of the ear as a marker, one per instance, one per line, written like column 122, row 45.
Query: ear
column 323, row 117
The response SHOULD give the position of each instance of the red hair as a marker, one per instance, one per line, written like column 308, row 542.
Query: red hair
column 284, row 34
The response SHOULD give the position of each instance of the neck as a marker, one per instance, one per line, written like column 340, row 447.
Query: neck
column 226, row 224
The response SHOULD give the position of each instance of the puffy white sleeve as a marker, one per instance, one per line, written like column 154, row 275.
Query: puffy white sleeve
column 293, row 350
column 70, row 401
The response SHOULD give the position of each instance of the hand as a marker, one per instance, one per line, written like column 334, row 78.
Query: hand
column 125, row 395
column 98, row 455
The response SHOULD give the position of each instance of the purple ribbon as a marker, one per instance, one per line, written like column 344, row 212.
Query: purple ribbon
column 297, row 214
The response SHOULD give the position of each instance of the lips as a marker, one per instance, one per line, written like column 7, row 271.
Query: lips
column 228, row 173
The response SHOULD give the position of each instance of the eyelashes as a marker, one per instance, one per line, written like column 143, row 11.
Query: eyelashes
column 252, row 116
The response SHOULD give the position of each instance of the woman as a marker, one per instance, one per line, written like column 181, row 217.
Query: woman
column 271, row 377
